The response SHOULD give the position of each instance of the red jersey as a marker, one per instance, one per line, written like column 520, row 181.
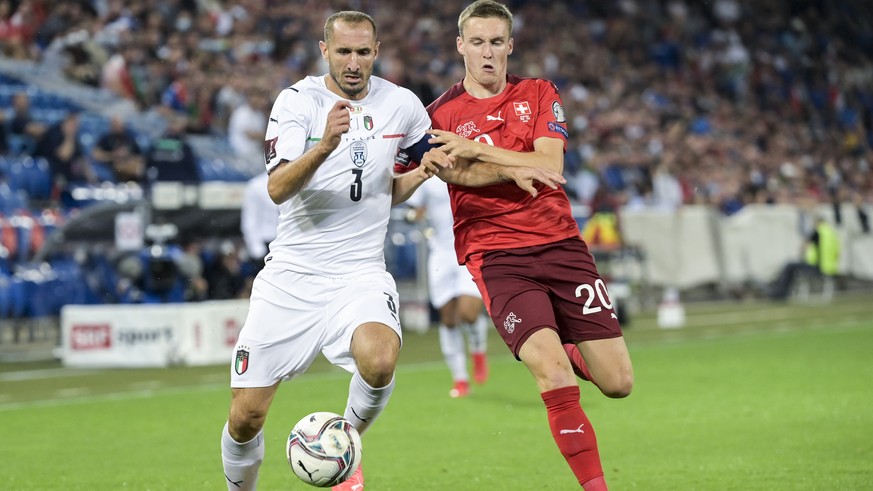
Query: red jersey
column 504, row 216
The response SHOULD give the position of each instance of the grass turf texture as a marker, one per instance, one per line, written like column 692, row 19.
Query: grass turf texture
column 746, row 396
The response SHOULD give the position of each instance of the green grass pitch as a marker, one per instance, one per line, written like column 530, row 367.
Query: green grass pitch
column 747, row 396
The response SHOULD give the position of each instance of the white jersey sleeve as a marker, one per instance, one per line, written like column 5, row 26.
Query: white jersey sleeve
column 288, row 126
column 419, row 120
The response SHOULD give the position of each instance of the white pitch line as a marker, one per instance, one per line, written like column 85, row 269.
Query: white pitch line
column 44, row 373
column 151, row 392
column 72, row 392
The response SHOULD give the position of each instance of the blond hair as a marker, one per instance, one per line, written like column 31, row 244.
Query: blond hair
column 485, row 9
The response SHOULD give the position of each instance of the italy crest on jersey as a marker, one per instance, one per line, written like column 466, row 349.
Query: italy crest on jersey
column 368, row 122
column 241, row 363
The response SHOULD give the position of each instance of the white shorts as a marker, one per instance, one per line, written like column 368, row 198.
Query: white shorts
column 447, row 279
column 293, row 316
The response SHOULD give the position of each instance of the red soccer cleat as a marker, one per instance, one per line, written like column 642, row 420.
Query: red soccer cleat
column 461, row 389
column 480, row 368
column 353, row 483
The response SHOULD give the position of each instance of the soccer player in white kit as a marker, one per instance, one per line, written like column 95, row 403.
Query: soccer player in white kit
column 259, row 219
column 330, row 147
column 452, row 290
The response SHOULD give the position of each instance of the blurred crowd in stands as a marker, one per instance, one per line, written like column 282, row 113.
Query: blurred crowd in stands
column 725, row 102
column 669, row 102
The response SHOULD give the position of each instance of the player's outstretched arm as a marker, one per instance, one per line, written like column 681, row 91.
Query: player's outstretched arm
column 287, row 178
column 432, row 162
column 406, row 184
column 525, row 177
column 478, row 174
column 548, row 152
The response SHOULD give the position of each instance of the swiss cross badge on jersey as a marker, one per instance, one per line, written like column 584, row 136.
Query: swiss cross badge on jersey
column 522, row 110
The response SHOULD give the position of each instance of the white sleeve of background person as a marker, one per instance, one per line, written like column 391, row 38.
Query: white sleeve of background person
column 259, row 216
column 435, row 194
column 336, row 224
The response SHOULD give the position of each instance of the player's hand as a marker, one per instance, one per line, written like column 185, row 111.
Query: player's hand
column 433, row 161
column 453, row 145
column 525, row 177
column 338, row 121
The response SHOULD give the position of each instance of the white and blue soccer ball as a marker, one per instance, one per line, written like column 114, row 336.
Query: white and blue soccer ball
column 324, row 449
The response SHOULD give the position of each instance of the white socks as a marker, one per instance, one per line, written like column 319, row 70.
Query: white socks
column 477, row 334
column 241, row 461
column 452, row 346
column 365, row 403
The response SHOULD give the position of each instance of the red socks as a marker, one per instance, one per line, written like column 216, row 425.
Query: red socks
column 578, row 363
column 575, row 437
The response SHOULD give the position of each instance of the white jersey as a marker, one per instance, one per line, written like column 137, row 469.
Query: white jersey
column 259, row 217
column 433, row 195
column 336, row 224
column 446, row 278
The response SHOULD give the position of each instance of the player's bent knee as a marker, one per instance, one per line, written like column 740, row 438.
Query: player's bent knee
column 243, row 424
column 378, row 370
column 377, row 367
column 619, row 386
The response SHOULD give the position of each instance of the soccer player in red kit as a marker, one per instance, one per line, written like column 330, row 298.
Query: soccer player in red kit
column 525, row 252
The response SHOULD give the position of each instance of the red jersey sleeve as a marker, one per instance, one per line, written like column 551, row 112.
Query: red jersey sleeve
column 550, row 121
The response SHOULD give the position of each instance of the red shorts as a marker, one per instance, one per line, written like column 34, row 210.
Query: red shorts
column 554, row 286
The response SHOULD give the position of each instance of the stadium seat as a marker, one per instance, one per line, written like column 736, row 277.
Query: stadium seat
column 71, row 286
column 16, row 176
column 5, row 296
column 48, row 115
column 11, row 200
column 20, row 144
column 37, row 303
column 23, row 225
column 18, row 293
column 39, row 180
column 30, row 176
column 103, row 172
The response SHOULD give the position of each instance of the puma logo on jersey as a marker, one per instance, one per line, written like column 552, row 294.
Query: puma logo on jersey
column 489, row 117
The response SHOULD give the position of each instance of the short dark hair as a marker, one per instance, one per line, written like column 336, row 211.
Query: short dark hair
column 349, row 16
column 485, row 9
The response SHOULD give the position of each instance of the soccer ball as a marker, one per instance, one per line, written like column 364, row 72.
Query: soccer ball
column 324, row 449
